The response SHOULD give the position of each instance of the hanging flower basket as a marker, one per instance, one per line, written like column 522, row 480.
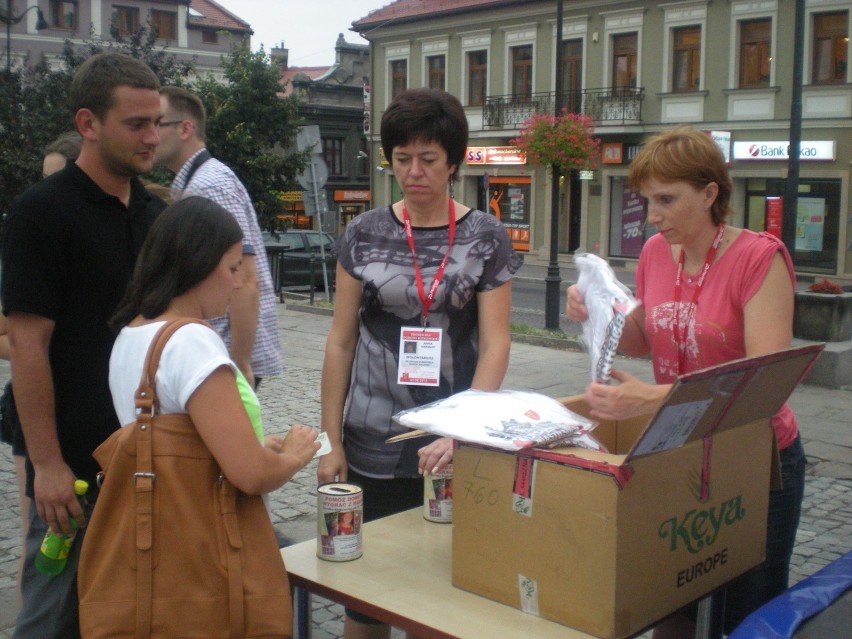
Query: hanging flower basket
column 566, row 141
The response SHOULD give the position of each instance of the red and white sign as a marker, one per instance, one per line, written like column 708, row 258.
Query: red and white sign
column 811, row 150
column 494, row 155
column 774, row 215
column 612, row 153
column 341, row 195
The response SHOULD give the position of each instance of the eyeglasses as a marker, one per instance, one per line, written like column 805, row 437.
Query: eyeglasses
column 163, row 123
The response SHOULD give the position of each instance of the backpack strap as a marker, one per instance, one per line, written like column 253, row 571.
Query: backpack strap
column 200, row 159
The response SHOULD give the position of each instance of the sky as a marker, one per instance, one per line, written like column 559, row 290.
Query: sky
column 309, row 28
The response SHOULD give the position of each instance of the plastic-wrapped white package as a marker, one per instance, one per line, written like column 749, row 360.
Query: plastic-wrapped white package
column 507, row 419
column 609, row 302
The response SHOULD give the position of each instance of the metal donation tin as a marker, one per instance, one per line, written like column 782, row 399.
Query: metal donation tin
column 340, row 509
column 438, row 495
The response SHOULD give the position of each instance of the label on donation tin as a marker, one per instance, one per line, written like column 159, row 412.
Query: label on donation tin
column 438, row 495
column 339, row 515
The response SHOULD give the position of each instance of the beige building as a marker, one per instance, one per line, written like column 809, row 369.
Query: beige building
column 725, row 66
column 188, row 29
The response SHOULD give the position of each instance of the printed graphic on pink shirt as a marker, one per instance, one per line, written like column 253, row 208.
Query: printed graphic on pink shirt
column 660, row 324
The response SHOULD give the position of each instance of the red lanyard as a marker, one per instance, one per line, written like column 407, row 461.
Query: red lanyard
column 680, row 339
column 427, row 299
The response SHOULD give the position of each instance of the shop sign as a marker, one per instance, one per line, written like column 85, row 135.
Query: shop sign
column 723, row 141
column 612, row 153
column 366, row 108
column 290, row 196
column 774, row 216
column 587, row 175
column 494, row 155
column 342, row 195
column 780, row 150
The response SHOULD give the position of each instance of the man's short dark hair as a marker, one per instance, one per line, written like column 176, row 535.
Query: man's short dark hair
column 188, row 106
column 94, row 82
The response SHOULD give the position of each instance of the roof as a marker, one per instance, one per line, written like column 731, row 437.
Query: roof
column 413, row 10
column 207, row 13
column 289, row 73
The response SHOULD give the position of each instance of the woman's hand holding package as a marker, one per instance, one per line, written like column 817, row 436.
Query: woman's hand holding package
column 631, row 397
column 575, row 308
column 435, row 456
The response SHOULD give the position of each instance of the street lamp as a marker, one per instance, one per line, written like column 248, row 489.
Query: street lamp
column 552, row 279
column 791, row 192
column 10, row 19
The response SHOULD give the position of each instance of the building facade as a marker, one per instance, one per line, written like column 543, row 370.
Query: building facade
column 333, row 98
column 198, row 30
column 724, row 66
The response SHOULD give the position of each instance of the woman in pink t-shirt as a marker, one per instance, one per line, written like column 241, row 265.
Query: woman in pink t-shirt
column 710, row 293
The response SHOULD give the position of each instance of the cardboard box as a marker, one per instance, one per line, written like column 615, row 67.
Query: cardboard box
column 609, row 543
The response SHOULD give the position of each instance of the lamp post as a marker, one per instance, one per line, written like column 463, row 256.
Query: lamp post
column 791, row 194
column 10, row 19
column 552, row 279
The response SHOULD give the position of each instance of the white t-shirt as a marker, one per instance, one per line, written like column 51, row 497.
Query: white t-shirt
column 190, row 356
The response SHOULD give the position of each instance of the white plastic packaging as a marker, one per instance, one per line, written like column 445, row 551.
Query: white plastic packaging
column 609, row 302
column 506, row 419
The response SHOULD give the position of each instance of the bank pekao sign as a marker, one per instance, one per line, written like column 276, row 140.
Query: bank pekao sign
column 820, row 150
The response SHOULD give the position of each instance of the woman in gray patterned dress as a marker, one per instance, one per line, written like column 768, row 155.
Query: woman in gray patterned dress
column 425, row 262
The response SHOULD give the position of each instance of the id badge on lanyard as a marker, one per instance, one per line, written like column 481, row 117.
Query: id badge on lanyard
column 420, row 346
column 420, row 355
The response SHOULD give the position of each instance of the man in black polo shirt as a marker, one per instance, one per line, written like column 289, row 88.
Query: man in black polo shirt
column 68, row 250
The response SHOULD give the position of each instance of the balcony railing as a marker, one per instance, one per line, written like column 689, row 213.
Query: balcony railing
column 606, row 106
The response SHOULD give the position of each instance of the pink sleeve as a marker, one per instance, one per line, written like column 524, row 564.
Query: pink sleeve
column 759, row 258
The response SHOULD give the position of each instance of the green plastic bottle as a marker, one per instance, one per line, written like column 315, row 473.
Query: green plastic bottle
column 53, row 555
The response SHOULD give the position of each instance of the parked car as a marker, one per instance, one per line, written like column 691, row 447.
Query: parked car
column 295, row 258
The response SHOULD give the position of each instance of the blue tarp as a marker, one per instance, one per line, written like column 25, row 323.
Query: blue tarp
column 780, row 618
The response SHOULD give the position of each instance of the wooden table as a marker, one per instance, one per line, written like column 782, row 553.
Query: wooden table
column 403, row 578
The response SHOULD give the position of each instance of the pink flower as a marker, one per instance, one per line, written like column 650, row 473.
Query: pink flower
column 566, row 141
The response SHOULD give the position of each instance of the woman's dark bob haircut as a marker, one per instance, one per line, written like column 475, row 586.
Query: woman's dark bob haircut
column 426, row 115
column 184, row 246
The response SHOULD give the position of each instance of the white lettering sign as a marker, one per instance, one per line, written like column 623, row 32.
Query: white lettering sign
column 780, row 150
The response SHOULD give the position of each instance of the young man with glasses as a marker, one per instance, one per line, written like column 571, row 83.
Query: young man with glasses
column 250, row 330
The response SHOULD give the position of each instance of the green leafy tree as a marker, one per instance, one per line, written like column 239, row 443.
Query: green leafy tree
column 33, row 111
column 251, row 128
column 141, row 44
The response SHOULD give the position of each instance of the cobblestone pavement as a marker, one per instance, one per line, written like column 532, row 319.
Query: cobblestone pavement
column 824, row 535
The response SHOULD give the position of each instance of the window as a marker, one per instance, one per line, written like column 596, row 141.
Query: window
column 126, row 20
column 624, row 59
column 210, row 37
column 572, row 74
column 831, row 40
column 398, row 77
column 522, row 67
column 755, row 51
column 437, row 66
column 164, row 23
column 63, row 14
column 477, row 74
column 686, row 66
column 332, row 153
